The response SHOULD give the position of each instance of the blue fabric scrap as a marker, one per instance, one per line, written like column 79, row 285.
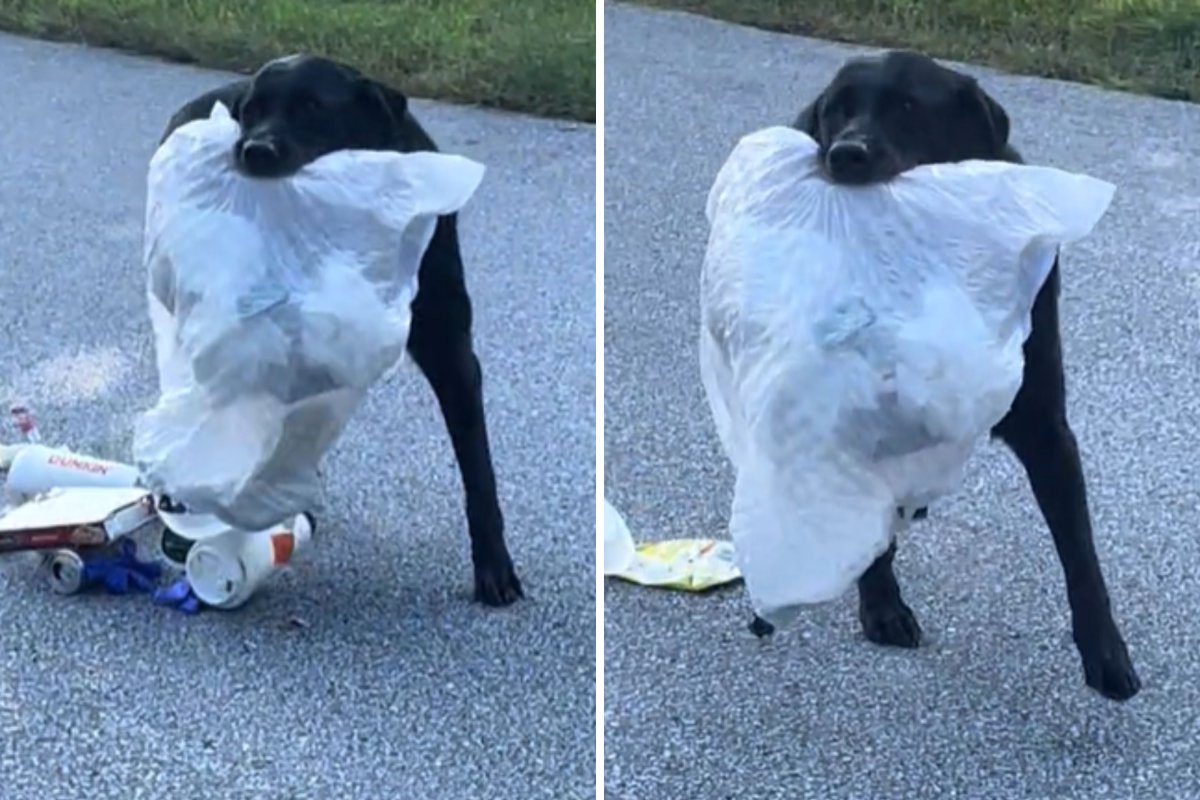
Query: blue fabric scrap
column 122, row 571
column 179, row 595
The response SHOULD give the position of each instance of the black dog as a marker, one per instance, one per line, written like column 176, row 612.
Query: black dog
column 877, row 118
column 299, row 108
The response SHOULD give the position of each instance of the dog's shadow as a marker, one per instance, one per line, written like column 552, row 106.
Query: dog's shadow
column 969, row 702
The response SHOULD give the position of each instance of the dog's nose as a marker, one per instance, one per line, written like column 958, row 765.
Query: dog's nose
column 258, row 155
column 849, row 161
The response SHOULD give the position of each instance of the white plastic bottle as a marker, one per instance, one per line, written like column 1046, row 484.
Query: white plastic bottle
column 225, row 571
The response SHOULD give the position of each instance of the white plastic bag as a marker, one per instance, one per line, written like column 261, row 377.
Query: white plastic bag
column 857, row 342
column 619, row 550
column 275, row 304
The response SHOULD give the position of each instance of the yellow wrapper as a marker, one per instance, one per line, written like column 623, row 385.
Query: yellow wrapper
column 690, row 565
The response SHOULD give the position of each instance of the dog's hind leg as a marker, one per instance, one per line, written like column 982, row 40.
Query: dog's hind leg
column 884, row 616
column 1036, row 430
column 440, row 344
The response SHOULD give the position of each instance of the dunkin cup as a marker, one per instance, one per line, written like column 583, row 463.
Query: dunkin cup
column 224, row 571
column 35, row 468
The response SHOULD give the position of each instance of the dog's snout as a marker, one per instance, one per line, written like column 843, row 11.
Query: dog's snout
column 848, row 154
column 849, row 161
column 258, row 156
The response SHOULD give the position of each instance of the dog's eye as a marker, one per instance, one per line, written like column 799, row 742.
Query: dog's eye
column 307, row 106
column 841, row 105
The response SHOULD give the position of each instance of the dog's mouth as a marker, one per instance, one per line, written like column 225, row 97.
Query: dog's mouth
column 263, row 157
column 858, row 177
column 858, row 162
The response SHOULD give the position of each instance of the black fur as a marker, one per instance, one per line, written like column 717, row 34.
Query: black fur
column 898, row 111
column 297, row 109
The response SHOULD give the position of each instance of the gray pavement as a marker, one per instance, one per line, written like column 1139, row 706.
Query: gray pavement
column 399, row 686
column 994, row 707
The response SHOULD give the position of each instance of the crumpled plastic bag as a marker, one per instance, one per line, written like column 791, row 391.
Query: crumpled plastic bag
column 619, row 550
column 276, row 305
column 858, row 342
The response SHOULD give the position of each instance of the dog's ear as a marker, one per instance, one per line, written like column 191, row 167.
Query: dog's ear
column 808, row 120
column 993, row 113
column 235, row 104
column 389, row 104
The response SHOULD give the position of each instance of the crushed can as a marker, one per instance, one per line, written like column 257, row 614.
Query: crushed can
column 64, row 571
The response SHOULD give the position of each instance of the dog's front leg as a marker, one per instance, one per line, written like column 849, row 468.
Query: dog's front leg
column 440, row 344
column 1037, row 431
column 1047, row 449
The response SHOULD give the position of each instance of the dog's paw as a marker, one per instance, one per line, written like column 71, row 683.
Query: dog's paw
column 497, row 584
column 893, row 625
column 760, row 627
column 1108, row 670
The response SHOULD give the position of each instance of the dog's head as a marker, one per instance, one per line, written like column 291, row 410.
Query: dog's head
column 886, row 114
column 299, row 108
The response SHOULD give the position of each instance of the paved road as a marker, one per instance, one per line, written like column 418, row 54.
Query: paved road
column 995, row 707
column 399, row 687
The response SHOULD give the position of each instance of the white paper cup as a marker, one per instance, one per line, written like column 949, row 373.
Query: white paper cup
column 36, row 468
column 226, row 570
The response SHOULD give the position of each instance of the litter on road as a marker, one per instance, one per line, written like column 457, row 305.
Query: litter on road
column 690, row 565
column 80, row 522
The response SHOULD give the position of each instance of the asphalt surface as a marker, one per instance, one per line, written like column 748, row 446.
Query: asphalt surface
column 397, row 685
column 994, row 706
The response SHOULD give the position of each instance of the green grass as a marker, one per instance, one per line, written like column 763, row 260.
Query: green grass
column 536, row 56
column 1148, row 46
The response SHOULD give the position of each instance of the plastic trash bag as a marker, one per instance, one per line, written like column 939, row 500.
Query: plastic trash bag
column 857, row 342
column 275, row 304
